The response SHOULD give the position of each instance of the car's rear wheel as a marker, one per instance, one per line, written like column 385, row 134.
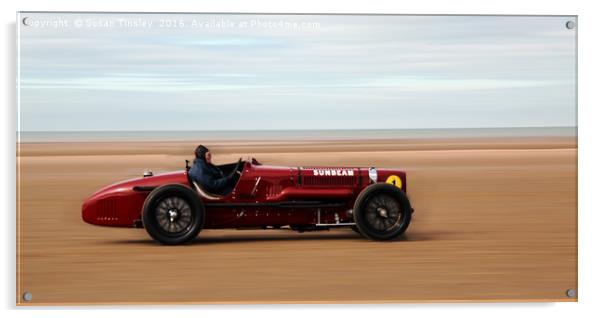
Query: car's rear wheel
column 382, row 212
column 173, row 214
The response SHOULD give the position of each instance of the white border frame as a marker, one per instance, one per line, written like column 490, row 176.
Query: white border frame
column 589, row 72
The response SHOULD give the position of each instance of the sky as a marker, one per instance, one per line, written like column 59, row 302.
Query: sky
column 91, row 72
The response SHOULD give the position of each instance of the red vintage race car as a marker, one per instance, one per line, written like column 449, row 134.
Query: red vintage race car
column 173, row 209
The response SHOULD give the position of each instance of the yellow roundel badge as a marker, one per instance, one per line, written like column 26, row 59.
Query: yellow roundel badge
column 395, row 180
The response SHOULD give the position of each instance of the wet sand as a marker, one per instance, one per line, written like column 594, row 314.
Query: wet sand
column 495, row 220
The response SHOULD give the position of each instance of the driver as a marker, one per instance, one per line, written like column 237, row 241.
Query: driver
column 211, row 177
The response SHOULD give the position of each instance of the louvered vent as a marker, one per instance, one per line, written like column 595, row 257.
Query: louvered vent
column 273, row 190
column 106, row 210
column 329, row 181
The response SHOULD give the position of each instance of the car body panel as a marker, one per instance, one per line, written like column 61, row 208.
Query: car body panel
column 264, row 196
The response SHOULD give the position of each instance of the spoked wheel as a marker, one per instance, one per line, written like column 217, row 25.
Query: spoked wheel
column 172, row 214
column 382, row 212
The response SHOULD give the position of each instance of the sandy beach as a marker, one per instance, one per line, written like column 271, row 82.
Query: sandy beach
column 495, row 220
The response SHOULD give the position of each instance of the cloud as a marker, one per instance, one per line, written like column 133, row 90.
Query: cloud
column 142, row 82
column 475, row 66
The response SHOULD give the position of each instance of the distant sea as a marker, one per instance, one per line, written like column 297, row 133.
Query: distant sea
column 295, row 135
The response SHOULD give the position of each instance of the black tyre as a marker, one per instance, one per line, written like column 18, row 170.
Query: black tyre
column 382, row 212
column 173, row 214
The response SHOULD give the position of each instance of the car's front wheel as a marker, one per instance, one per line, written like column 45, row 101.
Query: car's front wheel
column 173, row 214
column 382, row 212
